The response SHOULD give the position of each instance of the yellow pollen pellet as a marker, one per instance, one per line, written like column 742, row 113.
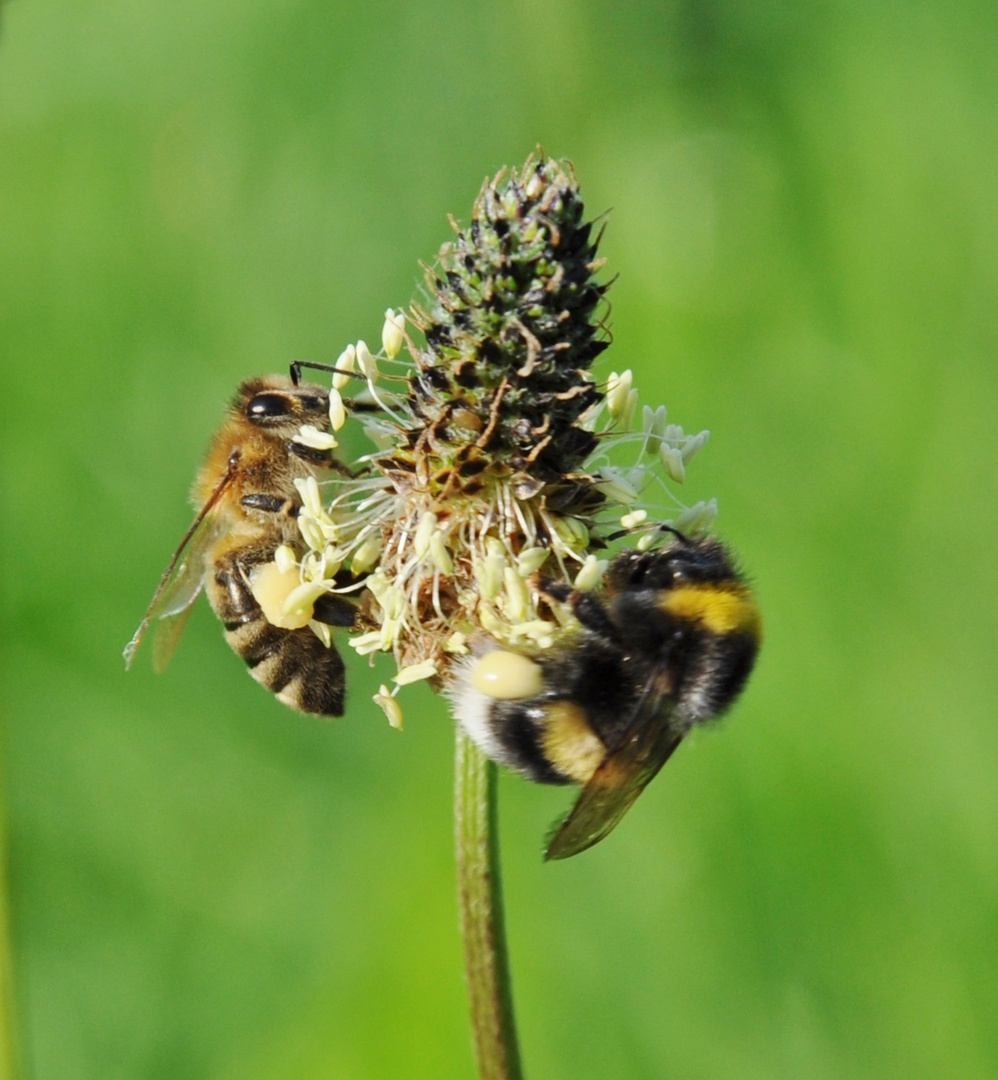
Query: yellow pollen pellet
column 507, row 675
column 271, row 587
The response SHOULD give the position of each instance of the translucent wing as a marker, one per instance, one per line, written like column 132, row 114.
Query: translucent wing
column 645, row 746
column 181, row 582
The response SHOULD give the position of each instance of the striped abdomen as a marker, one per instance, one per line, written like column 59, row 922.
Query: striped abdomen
column 293, row 664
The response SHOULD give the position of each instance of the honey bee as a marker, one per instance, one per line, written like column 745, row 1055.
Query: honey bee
column 667, row 644
column 247, row 507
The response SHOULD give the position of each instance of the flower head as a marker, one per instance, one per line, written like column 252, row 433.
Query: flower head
column 497, row 453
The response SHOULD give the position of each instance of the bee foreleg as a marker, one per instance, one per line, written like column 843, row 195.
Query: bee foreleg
column 593, row 616
column 586, row 607
column 323, row 459
column 269, row 504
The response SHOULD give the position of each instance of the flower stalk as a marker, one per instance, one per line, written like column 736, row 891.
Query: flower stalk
column 9, row 1057
column 495, row 489
column 481, row 910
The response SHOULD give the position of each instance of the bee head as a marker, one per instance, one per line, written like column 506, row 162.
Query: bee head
column 275, row 404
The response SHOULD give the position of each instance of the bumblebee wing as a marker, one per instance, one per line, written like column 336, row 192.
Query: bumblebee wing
column 181, row 582
column 645, row 746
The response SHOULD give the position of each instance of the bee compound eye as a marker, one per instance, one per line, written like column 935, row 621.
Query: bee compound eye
column 507, row 676
column 264, row 406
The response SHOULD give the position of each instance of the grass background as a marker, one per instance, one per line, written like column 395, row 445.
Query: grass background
column 805, row 227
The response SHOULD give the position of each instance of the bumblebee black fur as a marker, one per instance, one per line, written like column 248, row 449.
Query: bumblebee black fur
column 669, row 640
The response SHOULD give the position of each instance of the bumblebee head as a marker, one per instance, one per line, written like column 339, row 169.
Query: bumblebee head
column 680, row 562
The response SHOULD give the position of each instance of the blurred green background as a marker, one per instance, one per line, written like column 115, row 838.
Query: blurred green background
column 805, row 227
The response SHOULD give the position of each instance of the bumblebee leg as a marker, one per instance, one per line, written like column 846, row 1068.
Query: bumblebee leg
column 586, row 607
column 593, row 616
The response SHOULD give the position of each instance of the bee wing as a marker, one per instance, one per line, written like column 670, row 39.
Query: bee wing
column 646, row 745
column 176, row 603
column 181, row 582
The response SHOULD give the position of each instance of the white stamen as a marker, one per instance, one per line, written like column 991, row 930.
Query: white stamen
column 309, row 435
column 415, row 672
column 393, row 333
column 346, row 361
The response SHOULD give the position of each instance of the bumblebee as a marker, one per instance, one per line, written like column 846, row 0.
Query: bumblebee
column 667, row 643
column 247, row 505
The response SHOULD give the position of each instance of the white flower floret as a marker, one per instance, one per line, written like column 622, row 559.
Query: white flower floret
column 536, row 630
column 630, row 408
column 674, row 434
column 323, row 631
column 653, row 425
column 284, row 556
column 571, row 532
column 366, row 363
column 693, row 444
column 311, row 531
column 634, row 519
column 300, row 602
column 309, row 435
column 392, row 601
column 489, row 571
column 346, row 361
column 393, row 333
column 440, row 554
column 490, row 621
column 616, row 486
column 385, row 700
column 618, row 389
column 425, row 529
column 517, row 598
column 415, row 672
column 645, row 542
column 308, row 489
column 364, row 644
column 530, row 560
column 590, row 575
column 457, row 644
column 698, row 518
column 672, row 459
column 337, row 410
column 367, row 554
column 379, row 585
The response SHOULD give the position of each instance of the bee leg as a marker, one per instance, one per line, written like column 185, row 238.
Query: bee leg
column 323, row 459
column 335, row 611
column 585, row 606
column 269, row 504
column 231, row 596
column 593, row 616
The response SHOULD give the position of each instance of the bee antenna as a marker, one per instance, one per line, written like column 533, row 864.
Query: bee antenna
column 297, row 365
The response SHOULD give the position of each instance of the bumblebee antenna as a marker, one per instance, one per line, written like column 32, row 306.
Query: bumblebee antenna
column 675, row 532
column 620, row 533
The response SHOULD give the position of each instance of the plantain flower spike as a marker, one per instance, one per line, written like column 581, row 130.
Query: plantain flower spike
column 499, row 455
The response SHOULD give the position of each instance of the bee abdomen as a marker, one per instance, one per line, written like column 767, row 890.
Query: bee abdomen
column 293, row 664
column 714, row 677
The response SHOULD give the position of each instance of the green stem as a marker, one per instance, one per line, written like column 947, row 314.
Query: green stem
column 480, row 900
column 8, row 1016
